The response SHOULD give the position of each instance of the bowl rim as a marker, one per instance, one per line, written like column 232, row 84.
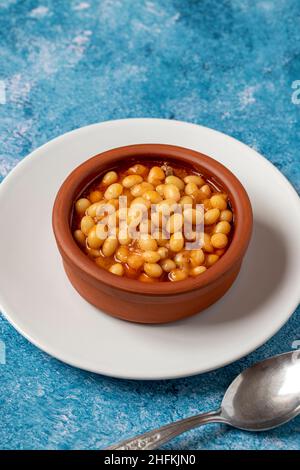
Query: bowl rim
column 104, row 161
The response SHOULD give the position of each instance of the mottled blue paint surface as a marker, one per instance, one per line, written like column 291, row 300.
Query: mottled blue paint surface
column 226, row 64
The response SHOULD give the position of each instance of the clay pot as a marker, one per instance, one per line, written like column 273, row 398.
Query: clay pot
column 158, row 302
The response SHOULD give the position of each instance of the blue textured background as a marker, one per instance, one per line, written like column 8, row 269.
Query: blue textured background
column 227, row 64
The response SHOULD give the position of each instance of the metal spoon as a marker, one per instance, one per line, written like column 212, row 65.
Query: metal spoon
column 262, row 397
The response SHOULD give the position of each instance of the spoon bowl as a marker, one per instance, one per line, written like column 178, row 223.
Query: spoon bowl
column 266, row 395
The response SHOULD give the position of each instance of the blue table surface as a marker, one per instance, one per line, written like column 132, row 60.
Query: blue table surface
column 226, row 64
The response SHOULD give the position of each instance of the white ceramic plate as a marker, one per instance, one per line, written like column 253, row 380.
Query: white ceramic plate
column 41, row 304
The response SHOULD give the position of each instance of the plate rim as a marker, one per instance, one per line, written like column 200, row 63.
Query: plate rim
column 120, row 374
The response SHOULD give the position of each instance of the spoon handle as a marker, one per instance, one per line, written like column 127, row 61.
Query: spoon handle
column 153, row 439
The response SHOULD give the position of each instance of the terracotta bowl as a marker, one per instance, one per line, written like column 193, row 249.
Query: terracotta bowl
column 158, row 302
